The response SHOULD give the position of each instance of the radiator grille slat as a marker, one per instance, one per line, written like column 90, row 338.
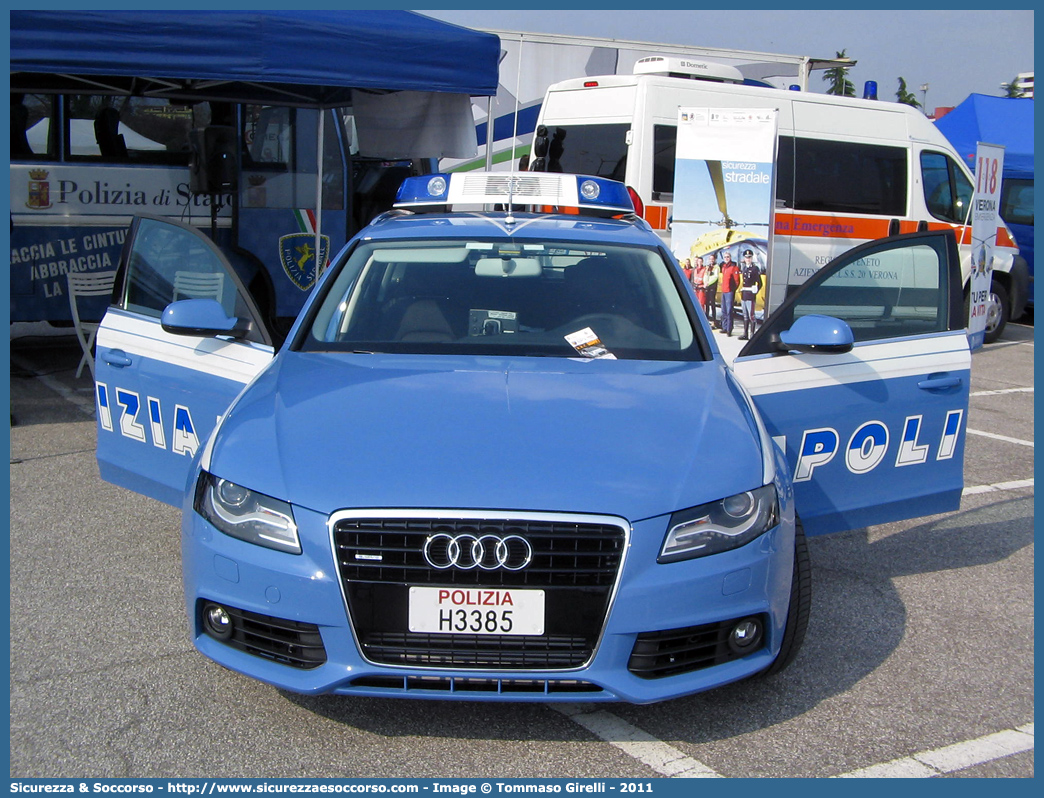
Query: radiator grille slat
column 563, row 555
column 289, row 642
column 674, row 651
column 408, row 684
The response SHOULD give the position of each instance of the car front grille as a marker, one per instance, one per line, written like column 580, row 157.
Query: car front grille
column 575, row 561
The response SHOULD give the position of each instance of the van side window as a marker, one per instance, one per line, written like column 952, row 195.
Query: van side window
column 665, row 139
column 128, row 129
column 279, row 159
column 270, row 136
column 591, row 150
column 947, row 192
column 844, row 177
column 785, row 172
column 33, row 132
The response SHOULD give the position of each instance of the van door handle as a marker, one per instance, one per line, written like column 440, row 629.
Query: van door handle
column 117, row 358
column 939, row 382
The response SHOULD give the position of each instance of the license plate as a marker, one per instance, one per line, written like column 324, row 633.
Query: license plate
column 476, row 611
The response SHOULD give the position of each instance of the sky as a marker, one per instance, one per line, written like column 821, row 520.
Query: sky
column 955, row 52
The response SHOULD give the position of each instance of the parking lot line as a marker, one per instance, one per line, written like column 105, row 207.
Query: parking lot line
column 1016, row 484
column 668, row 761
column 1005, row 344
column 1000, row 391
column 951, row 758
column 661, row 757
column 997, row 437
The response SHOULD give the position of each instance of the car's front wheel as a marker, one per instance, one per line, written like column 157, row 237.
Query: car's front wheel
column 800, row 604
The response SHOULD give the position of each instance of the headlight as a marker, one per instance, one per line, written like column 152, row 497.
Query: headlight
column 246, row 514
column 721, row 525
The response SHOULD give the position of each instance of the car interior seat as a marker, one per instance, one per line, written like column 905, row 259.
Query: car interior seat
column 424, row 321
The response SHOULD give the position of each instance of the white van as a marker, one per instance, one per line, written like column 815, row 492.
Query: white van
column 848, row 170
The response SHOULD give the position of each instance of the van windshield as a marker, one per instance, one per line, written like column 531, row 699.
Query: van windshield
column 599, row 150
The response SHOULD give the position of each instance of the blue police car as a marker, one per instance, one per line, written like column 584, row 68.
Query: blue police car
column 499, row 456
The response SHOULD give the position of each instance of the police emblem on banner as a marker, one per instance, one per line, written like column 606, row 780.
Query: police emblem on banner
column 297, row 254
column 39, row 190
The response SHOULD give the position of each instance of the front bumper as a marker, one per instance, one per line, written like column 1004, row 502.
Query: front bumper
column 305, row 590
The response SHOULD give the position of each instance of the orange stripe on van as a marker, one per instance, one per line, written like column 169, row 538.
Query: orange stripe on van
column 656, row 216
column 856, row 227
column 963, row 233
column 1004, row 239
column 795, row 224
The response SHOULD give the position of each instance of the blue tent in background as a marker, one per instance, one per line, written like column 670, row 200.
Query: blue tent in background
column 1009, row 122
column 994, row 120
column 302, row 58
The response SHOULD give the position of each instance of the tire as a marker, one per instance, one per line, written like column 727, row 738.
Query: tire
column 997, row 311
column 800, row 605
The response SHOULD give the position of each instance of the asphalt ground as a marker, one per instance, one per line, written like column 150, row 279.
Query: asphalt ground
column 921, row 640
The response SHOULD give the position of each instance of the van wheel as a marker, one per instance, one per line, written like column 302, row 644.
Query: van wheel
column 800, row 605
column 997, row 311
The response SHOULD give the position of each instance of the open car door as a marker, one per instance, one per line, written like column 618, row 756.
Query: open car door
column 179, row 342
column 862, row 377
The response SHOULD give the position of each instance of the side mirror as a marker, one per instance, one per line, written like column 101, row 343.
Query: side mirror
column 818, row 335
column 204, row 317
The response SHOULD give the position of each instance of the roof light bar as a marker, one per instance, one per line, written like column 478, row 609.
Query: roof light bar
column 516, row 188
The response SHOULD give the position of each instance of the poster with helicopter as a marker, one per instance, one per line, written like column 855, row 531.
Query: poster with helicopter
column 724, row 189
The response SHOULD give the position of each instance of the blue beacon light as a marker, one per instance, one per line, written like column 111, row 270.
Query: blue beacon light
column 585, row 192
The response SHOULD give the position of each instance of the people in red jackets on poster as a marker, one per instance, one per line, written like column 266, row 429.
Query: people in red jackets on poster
column 698, row 272
column 727, row 288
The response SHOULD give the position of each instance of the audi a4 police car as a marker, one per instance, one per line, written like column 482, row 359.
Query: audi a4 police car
column 499, row 456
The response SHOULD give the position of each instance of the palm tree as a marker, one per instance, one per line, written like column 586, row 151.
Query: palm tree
column 905, row 96
column 837, row 77
column 1012, row 90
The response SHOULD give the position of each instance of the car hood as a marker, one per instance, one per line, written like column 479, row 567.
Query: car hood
column 637, row 439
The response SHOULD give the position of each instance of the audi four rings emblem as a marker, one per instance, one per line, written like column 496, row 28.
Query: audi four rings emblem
column 467, row 551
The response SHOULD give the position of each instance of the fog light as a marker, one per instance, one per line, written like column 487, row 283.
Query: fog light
column 217, row 621
column 745, row 636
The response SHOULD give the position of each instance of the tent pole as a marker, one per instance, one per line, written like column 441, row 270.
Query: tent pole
column 319, row 195
column 489, row 133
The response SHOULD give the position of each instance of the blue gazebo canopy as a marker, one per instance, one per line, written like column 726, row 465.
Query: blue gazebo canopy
column 303, row 58
column 993, row 120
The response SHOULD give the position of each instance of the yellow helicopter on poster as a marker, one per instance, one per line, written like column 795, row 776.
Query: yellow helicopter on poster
column 702, row 224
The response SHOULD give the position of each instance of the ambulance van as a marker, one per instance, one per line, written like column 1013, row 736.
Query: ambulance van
column 847, row 171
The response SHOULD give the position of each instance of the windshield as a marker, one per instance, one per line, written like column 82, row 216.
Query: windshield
column 486, row 297
column 599, row 150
